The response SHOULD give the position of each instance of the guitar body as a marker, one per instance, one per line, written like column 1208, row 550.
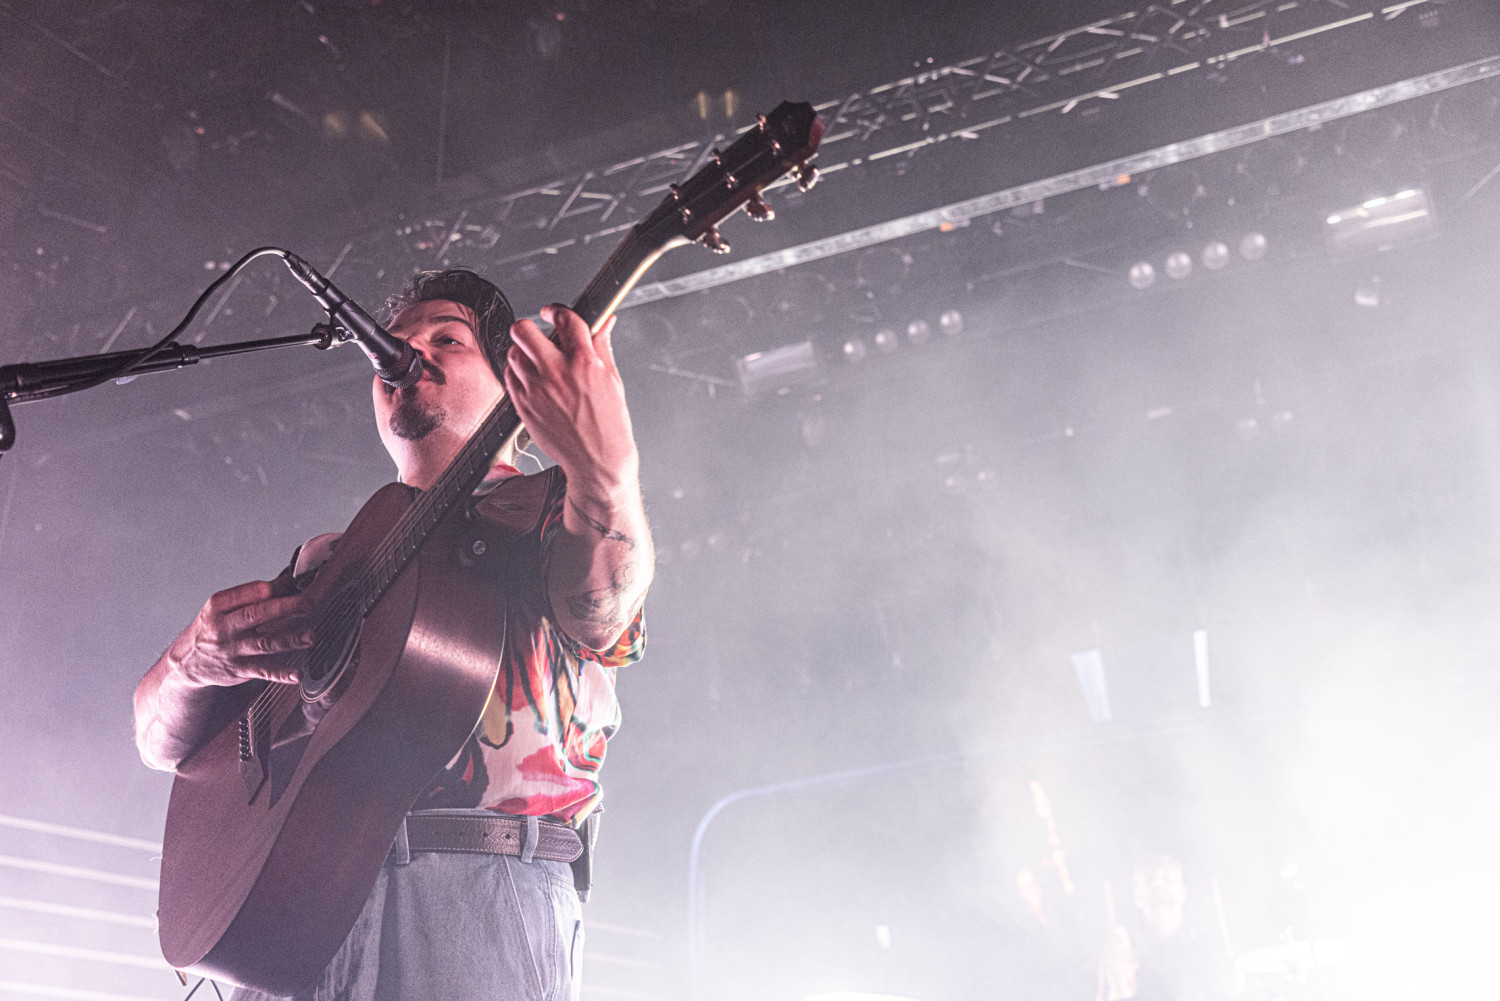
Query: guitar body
column 262, row 891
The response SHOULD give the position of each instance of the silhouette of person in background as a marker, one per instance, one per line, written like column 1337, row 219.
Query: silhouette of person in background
column 1162, row 953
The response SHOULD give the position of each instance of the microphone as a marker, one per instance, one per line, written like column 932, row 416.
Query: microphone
column 397, row 365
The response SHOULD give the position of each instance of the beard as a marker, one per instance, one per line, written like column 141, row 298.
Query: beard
column 413, row 420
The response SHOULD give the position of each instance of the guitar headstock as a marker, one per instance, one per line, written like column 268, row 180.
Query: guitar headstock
column 781, row 143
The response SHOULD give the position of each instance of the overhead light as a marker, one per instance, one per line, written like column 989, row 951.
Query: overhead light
column 951, row 323
column 882, row 269
column 919, row 331
column 1367, row 294
column 778, row 370
column 1254, row 246
column 1200, row 665
column 1380, row 222
column 1179, row 266
column 886, row 341
column 855, row 349
column 1089, row 666
column 1142, row 275
column 1216, row 256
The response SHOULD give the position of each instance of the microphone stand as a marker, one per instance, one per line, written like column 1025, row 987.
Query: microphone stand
column 30, row 381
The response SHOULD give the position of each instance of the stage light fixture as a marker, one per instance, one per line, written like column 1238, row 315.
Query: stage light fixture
column 1254, row 246
column 1142, row 275
column 777, row 370
column 951, row 323
column 1088, row 665
column 1367, row 294
column 887, row 341
column 1216, row 256
column 1467, row 113
column 1380, row 223
column 1179, row 265
column 882, row 269
column 1200, row 665
column 855, row 349
column 919, row 331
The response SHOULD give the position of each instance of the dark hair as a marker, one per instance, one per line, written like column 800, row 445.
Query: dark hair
column 466, row 288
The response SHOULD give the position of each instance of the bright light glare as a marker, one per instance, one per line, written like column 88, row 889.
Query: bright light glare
column 1200, row 662
column 1253, row 247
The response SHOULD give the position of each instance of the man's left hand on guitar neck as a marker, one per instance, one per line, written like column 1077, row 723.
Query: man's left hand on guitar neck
column 572, row 400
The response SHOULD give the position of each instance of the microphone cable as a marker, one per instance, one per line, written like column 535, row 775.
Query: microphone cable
column 128, row 365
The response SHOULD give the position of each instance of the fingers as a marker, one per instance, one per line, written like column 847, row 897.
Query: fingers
column 260, row 613
column 266, row 644
column 574, row 338
column 226, row 601
column 241, row 632
column 527, row 339
column 522, row 364
column 604, row 342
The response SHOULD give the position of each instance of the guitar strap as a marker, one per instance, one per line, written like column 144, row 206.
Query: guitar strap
column 583, row 865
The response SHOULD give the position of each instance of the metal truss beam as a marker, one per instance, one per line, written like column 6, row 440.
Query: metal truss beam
column 523, row 234
column 1103, row 174
column 1098, row 62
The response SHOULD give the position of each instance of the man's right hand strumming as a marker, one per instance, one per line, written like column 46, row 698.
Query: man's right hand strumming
column 242, row 634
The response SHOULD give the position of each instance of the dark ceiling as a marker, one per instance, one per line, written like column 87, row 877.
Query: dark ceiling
column 161, row 131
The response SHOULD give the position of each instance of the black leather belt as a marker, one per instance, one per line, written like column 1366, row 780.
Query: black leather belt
column 496, row 835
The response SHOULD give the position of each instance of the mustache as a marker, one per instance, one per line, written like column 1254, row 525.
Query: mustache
column 429, row 371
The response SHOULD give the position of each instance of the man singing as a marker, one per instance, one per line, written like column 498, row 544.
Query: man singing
column 579, row 559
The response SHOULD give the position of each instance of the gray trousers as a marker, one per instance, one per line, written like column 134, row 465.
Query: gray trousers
column 447, row 925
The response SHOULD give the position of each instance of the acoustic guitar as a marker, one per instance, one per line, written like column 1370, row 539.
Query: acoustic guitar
column 278, row 826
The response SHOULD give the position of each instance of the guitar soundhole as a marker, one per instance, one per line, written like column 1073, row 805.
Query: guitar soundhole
column 336, row 634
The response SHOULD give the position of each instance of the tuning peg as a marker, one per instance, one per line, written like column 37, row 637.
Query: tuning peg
column 713, row 241
column 757, row 209
column 806, row 175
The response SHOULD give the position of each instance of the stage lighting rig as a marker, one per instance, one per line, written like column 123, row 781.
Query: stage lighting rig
column 1380, row 223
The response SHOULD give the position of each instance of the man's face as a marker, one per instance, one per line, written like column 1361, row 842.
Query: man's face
column 1160, row 893
column 458, row 388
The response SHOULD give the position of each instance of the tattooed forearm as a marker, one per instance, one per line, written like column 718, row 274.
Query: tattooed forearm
column 603, row 530
column 599, row 608
column 597, row 573
column 604, row 606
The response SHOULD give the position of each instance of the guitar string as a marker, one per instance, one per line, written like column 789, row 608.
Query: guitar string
column 344, row 614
